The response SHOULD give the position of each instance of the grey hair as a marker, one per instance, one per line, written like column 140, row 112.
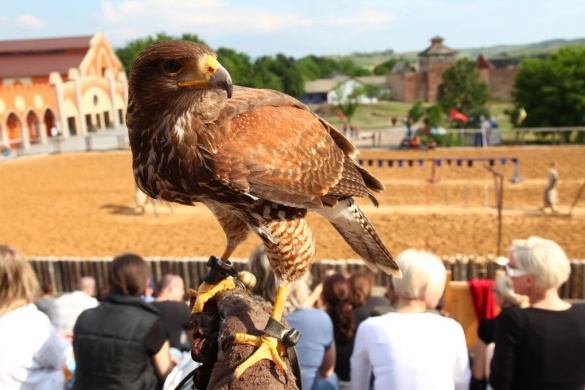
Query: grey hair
column 503, row 285
column 423, row 276
column 267, row 283
column 545, row 260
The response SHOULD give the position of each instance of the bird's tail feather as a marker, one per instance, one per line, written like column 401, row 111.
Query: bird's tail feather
column 349, row 220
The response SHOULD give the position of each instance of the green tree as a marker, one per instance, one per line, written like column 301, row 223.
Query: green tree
column 128, row 53
column 349, row 105
column 371, row 90
column 417, row 111
column 290, row 76
column 435, row 115
column 349, row 68
column 313, row 67
column 261, row 75
column 385, row 67
column 238, row 64
column 463, row 90
column 552, row 90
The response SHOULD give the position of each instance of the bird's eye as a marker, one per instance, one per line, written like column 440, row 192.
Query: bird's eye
column 171, row 66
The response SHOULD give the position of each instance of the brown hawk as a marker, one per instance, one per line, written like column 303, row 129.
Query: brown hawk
column 257, row 158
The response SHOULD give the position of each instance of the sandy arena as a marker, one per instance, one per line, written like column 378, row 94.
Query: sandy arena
column 82, row 205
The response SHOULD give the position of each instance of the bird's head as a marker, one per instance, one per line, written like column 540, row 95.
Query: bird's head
column 179, row 72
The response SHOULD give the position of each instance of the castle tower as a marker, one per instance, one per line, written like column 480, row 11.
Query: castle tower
column 433, row 62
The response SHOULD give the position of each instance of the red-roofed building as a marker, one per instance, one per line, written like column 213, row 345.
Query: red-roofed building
column 74, row 85
column 422, row 80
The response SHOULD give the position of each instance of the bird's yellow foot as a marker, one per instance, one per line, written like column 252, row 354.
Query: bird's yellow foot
column 207, row 291
column 268, row 348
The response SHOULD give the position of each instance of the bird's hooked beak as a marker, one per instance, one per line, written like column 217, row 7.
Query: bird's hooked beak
column 214, row 76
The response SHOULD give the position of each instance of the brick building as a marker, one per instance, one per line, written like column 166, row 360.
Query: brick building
column 74, row 84
column 423, row 80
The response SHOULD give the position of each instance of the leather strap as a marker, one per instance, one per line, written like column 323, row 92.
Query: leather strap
column 290, row 338
column 219, row 270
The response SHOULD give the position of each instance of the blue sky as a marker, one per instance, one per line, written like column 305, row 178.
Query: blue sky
column 300, row 27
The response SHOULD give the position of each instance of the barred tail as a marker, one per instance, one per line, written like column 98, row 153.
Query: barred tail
column 349, row 220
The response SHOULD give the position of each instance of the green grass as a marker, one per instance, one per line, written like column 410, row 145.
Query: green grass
column 369, row 116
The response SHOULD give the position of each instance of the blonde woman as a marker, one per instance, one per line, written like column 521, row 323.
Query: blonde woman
column 506, row 298
column 32, row 356
column 411, row 348
column 543, row 346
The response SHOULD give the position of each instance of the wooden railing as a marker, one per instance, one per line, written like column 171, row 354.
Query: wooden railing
column 555, row 131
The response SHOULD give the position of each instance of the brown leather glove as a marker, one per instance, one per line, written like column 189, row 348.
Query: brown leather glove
column 224, row 315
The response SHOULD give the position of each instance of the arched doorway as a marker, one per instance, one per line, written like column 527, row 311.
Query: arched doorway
column 49, row 121
column 33, row 126
column 14, row 130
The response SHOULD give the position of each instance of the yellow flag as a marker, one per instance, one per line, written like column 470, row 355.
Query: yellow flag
column 521, row 116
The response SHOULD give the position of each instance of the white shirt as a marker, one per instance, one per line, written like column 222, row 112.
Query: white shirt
column 65, row 310
column 31, row 354
column 410, row 351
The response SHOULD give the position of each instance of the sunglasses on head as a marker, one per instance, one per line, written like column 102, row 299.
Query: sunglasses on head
column 514, row 272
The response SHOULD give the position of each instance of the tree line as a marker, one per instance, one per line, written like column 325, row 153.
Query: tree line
column 550, row 89
column 282, row 73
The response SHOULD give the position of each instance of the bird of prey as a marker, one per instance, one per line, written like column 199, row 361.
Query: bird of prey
column 257, row 158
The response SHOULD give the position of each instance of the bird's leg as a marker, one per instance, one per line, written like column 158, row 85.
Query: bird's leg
column 273, row 344
column 220, row 277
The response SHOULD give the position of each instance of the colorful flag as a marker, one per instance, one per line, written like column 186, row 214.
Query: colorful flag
column 521, row 116
column 456, row 115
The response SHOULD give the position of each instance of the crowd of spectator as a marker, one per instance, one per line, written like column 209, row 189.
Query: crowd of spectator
column 351, row 337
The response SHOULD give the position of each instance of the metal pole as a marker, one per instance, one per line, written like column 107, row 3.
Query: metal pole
column 500, row 203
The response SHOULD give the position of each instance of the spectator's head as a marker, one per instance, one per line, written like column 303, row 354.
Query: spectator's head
column 46, row 289
column 335, row 289
column 538, row 262
column 259, row 266
column 171, row 288
column 128, row 275
column 423, row 277
column 361, row 284
column 18, row 283
column 505, row 294
column 335, row 296
column 87, row 285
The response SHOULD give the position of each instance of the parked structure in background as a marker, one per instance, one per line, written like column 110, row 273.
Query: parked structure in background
column 74, row 85
column 410, row 81
column 423, row 80
column 338, row 87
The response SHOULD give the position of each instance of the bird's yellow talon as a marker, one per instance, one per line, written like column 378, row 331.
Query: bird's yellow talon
column 268, row 348
column 208, row 291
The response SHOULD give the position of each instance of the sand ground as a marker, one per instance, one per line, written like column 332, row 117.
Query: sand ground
column 82, row 205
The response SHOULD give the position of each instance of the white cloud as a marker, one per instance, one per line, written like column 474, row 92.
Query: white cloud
column 29, row 22
column 222, row 18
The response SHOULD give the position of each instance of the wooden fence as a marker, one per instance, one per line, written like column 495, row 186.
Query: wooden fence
column 62, row 273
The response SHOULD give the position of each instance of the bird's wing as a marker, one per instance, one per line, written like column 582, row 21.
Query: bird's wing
column 276, row 149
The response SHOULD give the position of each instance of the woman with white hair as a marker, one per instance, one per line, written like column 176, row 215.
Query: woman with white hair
column 412, row 348
column 543, row 346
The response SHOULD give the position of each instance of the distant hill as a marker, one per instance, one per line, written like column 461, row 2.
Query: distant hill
column 372, row 59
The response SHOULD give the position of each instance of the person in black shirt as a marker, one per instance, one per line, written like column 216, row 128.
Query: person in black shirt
column 122, row 343
column 506, row 298
column 541, row 347
column 174, row 312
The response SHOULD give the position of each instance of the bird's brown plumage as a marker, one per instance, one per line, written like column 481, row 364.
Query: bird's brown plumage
column 259, row 160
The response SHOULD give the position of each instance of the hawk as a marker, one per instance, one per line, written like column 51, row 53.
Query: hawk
column 259, row 159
